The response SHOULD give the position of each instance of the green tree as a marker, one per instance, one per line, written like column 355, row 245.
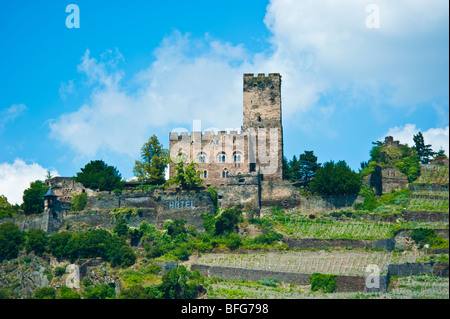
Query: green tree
column 188, row 178
column 33, row 198
column 11, row 241
column 58, row 244
column 99, row 175
column 121, row 227
column 287, row 174
column 295, row 169
column 227, row 221
column 423, row 151
column 308, row 165
column 6, row 209
column 336, row 179
column 154, row 160
column 79, row 202
column 36, row 240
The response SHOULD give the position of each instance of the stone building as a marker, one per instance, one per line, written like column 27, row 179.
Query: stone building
column 256, row 149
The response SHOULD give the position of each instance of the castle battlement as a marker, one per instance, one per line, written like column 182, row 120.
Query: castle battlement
column 176, row 136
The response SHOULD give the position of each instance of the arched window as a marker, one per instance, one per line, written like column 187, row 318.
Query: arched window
column 205, row 174
column 237, row 158
column 225, row 173
column 222, row 157
column 202, row 158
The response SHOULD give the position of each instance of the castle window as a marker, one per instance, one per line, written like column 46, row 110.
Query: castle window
column 225, row 173
column 237, row 158
column 222, row 158
column 202, row 158
column 205, row 174
column 259, row 118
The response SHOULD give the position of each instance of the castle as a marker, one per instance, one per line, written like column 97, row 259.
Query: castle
column 256, row 150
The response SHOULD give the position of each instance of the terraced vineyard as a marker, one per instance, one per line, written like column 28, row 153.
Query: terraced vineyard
column 411, row 287
column 430, row 205
column 352, row 263
column 434, row 174
column 303, row 228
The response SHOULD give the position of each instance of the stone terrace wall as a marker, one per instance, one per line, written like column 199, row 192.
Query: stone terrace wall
column 410, row 269
column 343, row 283
column 286, row 196
column 385, row 244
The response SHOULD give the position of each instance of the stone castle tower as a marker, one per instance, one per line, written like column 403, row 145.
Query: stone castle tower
column 256, row 150
column 262, row 113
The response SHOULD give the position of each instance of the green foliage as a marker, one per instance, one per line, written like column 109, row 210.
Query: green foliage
column 136, row 292
column 370, row 200
column 103, row 291
column 308, row 165
column 58, row 244
column 424, row 236
column 67, row 293
column 268, row 237
column 209, row 221
column 99, row 175
column 179, row 283
column 369, row 169
column 177, row 228
column 424, row 152
column 323, row 282
column 409, row 166
column 213, row 194
column 154, row 159
column 11, row 240
column 33, row 198
column 79, row 202
column 227, row 221
column 188, row 178
column 121, row 227
column 6, row 209
column 36, row 240
column 45, row 293
column 336, row 179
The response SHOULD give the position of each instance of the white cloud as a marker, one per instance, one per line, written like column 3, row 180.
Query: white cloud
column 437, row 137
column 11, row 113
column 16, row 177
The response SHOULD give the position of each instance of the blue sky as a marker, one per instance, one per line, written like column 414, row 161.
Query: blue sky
column 137, row 68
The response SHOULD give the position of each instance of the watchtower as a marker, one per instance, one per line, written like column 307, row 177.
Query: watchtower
column 262, row 115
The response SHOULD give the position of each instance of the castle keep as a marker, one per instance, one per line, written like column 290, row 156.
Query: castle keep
column 256, row 150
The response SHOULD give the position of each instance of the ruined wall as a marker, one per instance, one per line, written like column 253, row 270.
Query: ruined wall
column 411, row 269
column 387, row 244
column 244, row 190
column 66, row 187
column 388, row 178
column 287, row 197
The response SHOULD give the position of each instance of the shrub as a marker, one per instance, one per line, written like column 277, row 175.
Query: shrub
column 45, row 293
column 11, row 240
column 59, row 271
column 36, row 241
column 227, row 221
column 67, row 293
column 103, row 291
column 323, row 282
column 423, row 236
column 79, row 202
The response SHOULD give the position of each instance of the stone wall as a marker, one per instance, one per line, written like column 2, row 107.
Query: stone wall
column 411, row 269
column 385, row 244
column 287, row 197
column 343, row 283
column 387, row 178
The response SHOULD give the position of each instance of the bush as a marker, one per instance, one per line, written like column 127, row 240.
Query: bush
column 268, row 237
column 36, row 241
column 103, row 291
column 234, row 241
column 45, row 293
column 323, row 282
column 227, row 221
column 11, row 240
column 423, row 236
column 79, row 202
column 67, row 293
